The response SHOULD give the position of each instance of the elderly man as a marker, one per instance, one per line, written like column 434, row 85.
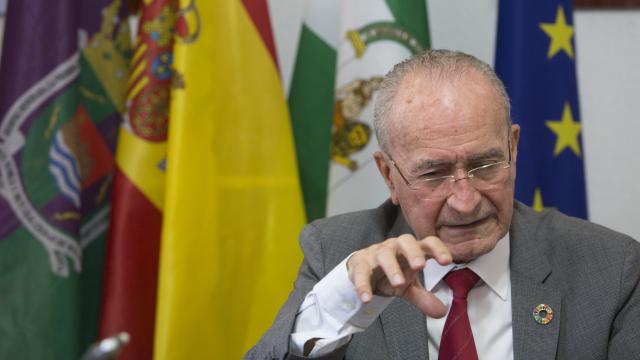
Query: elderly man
column 450, row 267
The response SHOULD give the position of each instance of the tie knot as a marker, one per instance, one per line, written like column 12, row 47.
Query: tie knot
column 461, row 281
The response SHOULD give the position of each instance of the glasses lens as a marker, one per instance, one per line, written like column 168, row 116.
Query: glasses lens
column 434, row 188
column 490, row 173
column 431, row 184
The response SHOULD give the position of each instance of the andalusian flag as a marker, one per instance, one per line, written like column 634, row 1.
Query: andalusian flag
column 345, row 49
column 311, row 101
column 131, row 269
column 233, row 207
column 536, row 60
column 62, row 94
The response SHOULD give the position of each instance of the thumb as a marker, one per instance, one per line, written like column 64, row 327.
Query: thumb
column 425, row 301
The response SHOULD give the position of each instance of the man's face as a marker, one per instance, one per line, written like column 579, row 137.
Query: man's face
column 449, row 127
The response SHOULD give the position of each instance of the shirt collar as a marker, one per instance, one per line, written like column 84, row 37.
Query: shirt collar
column 492, row 268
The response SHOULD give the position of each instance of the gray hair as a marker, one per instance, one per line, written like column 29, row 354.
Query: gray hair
column 439, row 64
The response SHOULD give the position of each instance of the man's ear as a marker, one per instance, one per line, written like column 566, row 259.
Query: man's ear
column 385, row 170
column 515, row 138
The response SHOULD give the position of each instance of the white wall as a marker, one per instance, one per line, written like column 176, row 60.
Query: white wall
column 608, row 55
column 608, row 61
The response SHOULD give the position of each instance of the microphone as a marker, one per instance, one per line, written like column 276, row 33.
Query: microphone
column 108, row 348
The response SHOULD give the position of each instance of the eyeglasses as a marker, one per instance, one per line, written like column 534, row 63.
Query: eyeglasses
column 435, row 185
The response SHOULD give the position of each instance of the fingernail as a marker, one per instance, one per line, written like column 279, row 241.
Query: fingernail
column 416, row 261
column 365, row 296
column 397, row 279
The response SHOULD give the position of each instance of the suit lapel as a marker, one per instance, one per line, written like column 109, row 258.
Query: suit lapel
column 403, row 325
column 530, row 339
column 529, row 270
column 405, row 331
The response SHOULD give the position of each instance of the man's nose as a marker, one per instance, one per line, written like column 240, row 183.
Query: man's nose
column 464, row 197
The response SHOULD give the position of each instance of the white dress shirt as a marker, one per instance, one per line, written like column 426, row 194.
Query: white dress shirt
column 333, row 312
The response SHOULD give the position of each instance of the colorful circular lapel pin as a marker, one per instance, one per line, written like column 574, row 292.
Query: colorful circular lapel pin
column 543, row 314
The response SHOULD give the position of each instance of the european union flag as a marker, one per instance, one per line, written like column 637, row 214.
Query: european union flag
column 535, row 59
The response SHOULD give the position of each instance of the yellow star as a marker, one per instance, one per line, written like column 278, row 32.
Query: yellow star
column 537, row 200
column 560, row 33
column 567, row 131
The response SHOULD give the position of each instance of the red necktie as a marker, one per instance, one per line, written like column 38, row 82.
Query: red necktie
column 457, row 339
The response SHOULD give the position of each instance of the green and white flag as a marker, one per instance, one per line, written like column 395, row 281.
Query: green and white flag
column 345, row 49
column 311, row 100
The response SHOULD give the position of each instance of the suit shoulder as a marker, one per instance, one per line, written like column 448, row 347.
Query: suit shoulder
column 583, row 232
column 340, row 235
column 377, row 220
column 578, row 243
column 560, row 228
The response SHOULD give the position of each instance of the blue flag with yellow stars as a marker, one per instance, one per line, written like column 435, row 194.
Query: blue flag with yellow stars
column 536, row 60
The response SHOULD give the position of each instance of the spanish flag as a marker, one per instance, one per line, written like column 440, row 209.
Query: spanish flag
column 233, row 206
column 131, row 264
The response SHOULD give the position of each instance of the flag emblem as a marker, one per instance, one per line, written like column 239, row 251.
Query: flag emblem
column 64, row 168
column 55, row 157
column 350, row 134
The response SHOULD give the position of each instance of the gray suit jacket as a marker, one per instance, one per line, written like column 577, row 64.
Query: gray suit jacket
column 586, row 273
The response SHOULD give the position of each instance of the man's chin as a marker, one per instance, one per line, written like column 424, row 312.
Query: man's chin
column 468, row 245
column 469, row 250
column 461, row 233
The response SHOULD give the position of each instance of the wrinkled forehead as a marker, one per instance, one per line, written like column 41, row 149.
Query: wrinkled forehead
column 440, row 110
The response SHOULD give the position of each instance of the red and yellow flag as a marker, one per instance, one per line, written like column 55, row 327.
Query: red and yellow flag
column 131, row 267
column 233, row 205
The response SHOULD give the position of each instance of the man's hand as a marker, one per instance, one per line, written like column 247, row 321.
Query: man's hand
column 390, row 268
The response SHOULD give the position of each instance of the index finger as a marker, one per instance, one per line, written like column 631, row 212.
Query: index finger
column 434, row 248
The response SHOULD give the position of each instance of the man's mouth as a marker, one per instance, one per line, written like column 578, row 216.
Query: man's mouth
column 461, row 226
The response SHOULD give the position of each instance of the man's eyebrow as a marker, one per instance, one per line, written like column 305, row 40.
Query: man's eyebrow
column 492, row 153
column 429, row 164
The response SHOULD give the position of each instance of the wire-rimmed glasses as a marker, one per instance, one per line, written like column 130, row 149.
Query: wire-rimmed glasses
column 436, row 184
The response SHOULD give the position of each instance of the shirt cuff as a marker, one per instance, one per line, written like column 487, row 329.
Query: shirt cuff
column 333, row 312
column 338, row 298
